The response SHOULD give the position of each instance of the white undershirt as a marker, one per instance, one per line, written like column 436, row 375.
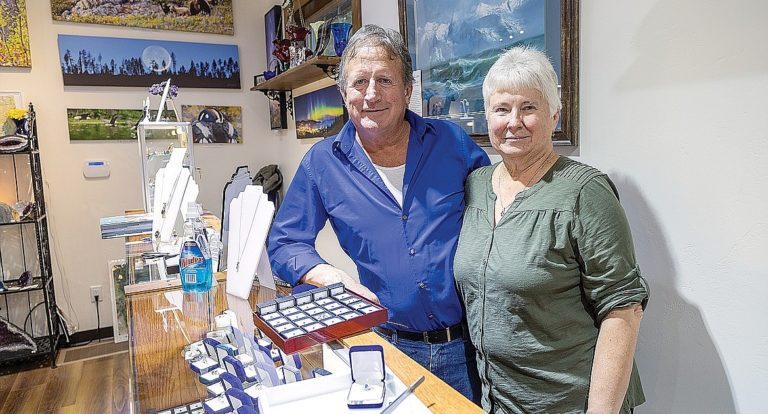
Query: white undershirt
column 392, row 176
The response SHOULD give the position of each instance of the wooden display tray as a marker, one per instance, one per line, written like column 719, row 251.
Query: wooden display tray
column 322, row 335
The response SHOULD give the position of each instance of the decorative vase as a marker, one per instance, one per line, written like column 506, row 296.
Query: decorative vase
column 282, row 66
column 268, row 74
column 21, row 127
column 297, row 52
column 25, row 278
column 340, row 36
column 314, row 36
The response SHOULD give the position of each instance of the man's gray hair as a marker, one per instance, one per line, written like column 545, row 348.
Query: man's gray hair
column 520, row 68
column 372, row 35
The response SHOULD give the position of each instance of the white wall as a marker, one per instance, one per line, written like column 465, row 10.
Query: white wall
column 673, row 108
column 76, row 204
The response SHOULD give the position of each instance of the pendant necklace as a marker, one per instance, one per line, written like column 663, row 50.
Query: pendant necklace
column 240, row 245
column 173, row 188
column 527, row 186
column 498, row 184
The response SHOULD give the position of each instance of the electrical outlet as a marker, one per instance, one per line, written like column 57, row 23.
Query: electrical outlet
column 96, row 291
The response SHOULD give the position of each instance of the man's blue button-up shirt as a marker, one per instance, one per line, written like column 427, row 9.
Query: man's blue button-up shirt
column 403, row 254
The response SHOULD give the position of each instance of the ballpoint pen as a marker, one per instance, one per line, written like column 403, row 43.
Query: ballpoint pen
column 408, row 391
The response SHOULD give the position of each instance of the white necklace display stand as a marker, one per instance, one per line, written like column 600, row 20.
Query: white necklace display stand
column 240, row 180
column 250, row 215
column 174, row 188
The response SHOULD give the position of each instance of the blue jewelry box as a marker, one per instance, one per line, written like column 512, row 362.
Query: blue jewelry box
column 368, row 373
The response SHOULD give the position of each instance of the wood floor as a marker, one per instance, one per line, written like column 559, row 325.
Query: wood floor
column 91, row 386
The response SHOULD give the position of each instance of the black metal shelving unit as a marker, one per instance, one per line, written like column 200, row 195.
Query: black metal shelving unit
column 16, row 300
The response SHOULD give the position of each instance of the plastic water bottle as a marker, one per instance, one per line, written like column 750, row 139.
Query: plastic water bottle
column 216, row 247
column 195, row 260
column 205, row 247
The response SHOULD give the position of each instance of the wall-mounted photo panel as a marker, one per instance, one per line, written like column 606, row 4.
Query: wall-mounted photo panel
column 202, row 16
column 14, row 35
column 110, row 61
column 278, row 112
column 88, row 124
column 320, row 113
column 102, row 124
column 272, row 31
column 214, row 124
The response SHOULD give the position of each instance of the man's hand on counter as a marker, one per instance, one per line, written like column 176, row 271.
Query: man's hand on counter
column 325, row 274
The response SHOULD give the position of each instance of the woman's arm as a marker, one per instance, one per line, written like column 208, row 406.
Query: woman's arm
column 612, row 364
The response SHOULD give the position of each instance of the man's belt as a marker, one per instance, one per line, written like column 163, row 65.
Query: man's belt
column 431, row 337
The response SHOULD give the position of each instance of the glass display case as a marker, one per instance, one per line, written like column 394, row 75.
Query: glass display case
column 164, row 321
column 157, row 140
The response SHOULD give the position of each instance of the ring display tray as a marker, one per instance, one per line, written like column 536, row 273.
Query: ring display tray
column 300, row 321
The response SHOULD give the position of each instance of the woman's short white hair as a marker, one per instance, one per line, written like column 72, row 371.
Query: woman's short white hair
column 520, row 68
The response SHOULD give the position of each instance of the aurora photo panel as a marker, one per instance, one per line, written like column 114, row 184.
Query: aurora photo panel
column 320, row 113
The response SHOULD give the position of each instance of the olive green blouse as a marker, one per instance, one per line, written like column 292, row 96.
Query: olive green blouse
column 538, row 283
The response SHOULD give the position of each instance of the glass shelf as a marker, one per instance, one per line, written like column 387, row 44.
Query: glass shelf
column 32, row 221
column 26, row 151
column 37, row 284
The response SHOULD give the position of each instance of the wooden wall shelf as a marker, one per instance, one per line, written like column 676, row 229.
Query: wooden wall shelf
column 310, row 71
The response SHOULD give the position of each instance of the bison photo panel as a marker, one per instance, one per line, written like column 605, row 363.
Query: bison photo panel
column 201, row 16
column 110, row 61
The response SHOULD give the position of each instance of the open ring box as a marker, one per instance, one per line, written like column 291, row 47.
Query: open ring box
column 368, row 373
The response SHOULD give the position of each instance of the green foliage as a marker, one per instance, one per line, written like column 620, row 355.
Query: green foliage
column 60, row 6
column 14, row 38
column 98, row 125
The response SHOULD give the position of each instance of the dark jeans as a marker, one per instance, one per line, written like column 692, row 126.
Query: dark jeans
column 453, row 362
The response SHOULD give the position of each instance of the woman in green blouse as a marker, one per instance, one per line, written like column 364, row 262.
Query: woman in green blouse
column 545, row 262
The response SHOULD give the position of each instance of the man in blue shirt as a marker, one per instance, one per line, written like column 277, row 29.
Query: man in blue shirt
column 392, row 185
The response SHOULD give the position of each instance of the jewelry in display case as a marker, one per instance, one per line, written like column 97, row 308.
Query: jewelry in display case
column 320, row 315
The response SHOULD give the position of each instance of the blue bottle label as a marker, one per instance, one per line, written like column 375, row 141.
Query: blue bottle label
column 193, row 268
column 190, row 260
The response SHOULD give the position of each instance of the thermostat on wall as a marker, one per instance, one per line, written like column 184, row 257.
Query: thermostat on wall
column 96, row 169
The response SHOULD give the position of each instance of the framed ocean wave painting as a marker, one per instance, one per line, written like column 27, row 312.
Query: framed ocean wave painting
column 453, row 45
